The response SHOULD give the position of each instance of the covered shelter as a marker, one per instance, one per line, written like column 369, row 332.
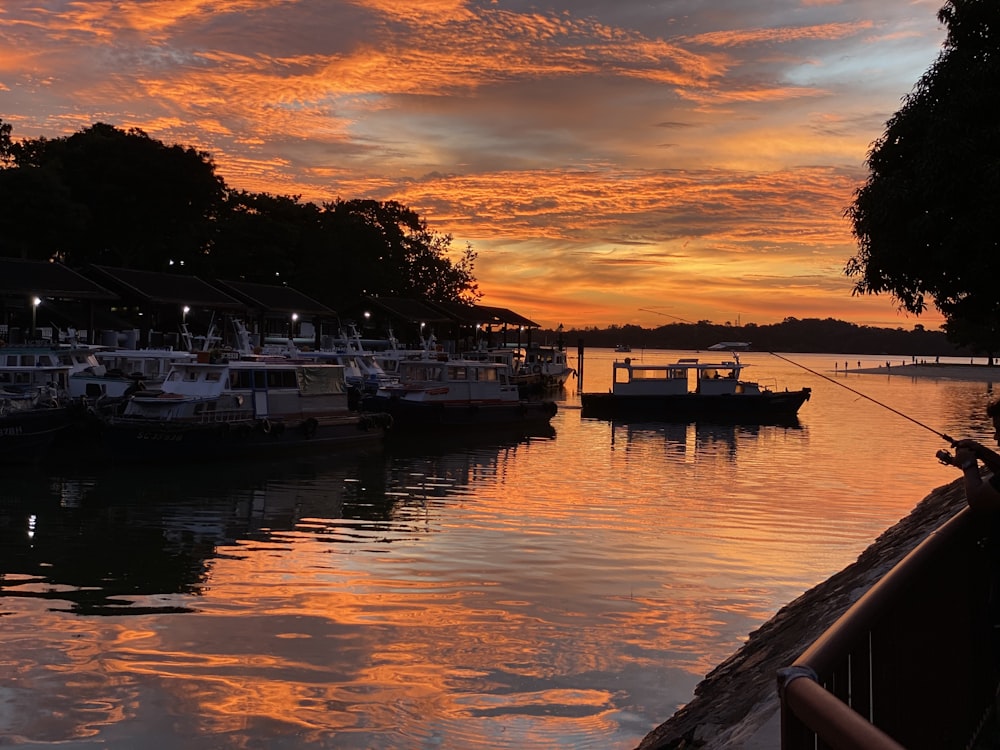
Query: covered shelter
column 500, row 326
column 281, row 312
column 410, row 321
column 160, row 305
column 39, row 296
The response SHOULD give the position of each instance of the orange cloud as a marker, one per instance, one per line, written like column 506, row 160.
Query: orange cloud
column 597, row 162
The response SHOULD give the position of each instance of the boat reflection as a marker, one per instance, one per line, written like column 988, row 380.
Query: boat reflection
column 691, row 438
column 135, row 540
column 499, row 437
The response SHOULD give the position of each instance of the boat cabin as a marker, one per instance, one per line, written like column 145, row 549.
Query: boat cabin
column 245, row 389
column 680, row 378
column 456, row 380
column 23, row 379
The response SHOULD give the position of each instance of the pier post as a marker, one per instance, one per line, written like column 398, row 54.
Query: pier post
column 579, row 365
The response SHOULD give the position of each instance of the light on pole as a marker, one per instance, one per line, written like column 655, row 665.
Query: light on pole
column 35, row 302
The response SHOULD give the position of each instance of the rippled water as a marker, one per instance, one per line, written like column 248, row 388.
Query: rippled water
column 560, row 591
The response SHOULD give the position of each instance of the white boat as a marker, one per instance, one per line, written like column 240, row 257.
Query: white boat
column 146, row 367
column 88, row 378
column 623, row 348
column 548, row 362
column 690, row 389
column 455, row 393
column 223, row 407
column 535, row 369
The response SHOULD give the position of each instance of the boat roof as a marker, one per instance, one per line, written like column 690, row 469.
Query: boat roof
column 691, row 363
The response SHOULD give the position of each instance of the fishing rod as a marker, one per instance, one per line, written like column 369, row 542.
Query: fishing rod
column 941, row 435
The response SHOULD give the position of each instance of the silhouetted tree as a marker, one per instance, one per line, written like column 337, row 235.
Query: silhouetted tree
column 266, row 239
column 925, row 219
column 120, row 198
column 147, row 205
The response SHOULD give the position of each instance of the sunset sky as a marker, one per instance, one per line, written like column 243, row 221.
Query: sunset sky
column 692, row 158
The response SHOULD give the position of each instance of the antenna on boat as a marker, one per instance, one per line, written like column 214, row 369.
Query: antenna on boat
column 917, row 422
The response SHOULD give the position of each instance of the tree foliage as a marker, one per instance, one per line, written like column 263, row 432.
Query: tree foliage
column 924, row 220
column 120, row 198
column 144, row 205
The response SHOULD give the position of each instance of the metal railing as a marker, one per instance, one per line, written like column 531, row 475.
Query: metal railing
column 913, row 663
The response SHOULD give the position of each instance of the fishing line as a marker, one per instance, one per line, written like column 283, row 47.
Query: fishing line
column 874, row 401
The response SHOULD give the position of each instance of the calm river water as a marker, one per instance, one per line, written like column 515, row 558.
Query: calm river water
column 565, row 591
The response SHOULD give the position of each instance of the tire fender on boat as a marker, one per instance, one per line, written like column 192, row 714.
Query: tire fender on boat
column 309, row 427
column 265, row 426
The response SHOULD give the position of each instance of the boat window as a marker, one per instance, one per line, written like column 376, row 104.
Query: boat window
column 213, row 377
column 458, row 373
column 191, row 376
column 28, row 360
column 281, row 379
column 260, row 379
column 423, row 372
column 647, row 374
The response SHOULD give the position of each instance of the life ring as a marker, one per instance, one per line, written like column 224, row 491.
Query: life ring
column 536, row 369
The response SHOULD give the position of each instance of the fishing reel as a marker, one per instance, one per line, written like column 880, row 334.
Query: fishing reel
column 946, row 458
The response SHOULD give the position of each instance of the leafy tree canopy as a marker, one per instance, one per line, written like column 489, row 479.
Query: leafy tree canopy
column 120, row 198
column 924, row 220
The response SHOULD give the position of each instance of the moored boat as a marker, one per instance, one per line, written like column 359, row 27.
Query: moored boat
column 690, row 389
column 550, row 363
column 455, row 393
column 33, row 412
column 238, row 408
column 89, row 378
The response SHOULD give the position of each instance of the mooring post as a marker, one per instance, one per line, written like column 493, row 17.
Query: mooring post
column 579, row 365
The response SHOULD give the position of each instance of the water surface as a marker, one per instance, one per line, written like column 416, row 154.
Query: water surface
column 564, row 590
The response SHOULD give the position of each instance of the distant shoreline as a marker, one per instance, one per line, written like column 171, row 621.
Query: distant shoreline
column 949, row 371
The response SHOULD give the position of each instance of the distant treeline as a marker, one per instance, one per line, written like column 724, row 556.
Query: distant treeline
column 791, row 335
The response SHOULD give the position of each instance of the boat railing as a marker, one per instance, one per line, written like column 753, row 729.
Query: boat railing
column 914, row 662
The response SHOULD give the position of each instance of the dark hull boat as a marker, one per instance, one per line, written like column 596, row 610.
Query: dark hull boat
column 775, row 407
column 691, row 390
column 176, row 441
column 27, row 434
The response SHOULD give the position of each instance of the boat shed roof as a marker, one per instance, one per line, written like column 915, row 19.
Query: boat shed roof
column 412, row 310
column 273, row 298
column 481, row 314
column 501, row 315
column 166, row 288
column 21, row 278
